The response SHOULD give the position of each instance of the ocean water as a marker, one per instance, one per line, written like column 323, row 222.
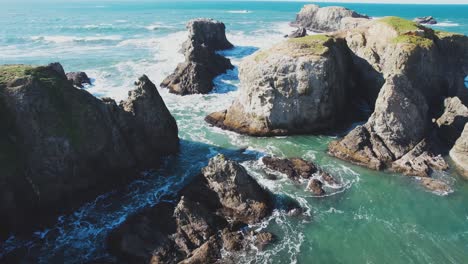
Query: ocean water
column 371, row 217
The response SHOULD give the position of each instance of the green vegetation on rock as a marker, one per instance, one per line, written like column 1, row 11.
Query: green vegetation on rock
column 315, row 44
column 445, row 34
column 415, row 40
column 9, row 73
column 409, row 32
column 401, row 25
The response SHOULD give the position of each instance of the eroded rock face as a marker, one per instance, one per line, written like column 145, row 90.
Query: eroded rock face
column 78, row 78
column 452, row 121
column 299, row 33
column 298, row 86
column 202, row 63
column 197, row 228
column 406, row 57
column 294, row 168
column 324, row 19
column 459, row 153
column 61, row 146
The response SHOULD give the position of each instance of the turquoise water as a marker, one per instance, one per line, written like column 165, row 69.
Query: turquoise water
column 372, row 217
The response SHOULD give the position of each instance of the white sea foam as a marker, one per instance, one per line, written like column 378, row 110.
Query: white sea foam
column 445, row 24
column 65, row 39
column 239, row 11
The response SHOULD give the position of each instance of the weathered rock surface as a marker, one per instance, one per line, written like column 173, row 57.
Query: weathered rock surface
column 206, row 220
column 390, row 53
column 459, row 153
column 452, row 121
column 324, row 19
column 60, row 146
column 78, row 78
column 202, row 63
column 426, row 20
column 294, row 168
column 299, row 33
column 298, row 86
column 436, row 186
column 315, row 186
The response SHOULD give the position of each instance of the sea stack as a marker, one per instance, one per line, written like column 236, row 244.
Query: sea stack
column 202, row 63
column 61, row 146
column 298, row 86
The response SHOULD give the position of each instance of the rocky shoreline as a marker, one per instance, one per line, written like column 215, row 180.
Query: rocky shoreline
column 60, row 146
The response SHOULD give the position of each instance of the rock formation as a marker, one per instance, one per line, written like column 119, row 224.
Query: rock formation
column 459, row 153
column 60, row 146
column 299, row 33
column 452, row 121
column 202, row 63
column 407, row 59
column 78, row 78
column 298, row 86
column 208, row 218
column 429, row 20
column 326, row 19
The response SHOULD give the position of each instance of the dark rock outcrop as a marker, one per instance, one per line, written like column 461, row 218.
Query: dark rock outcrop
column 299, row 33
column 78, row 78
column 429, row 20
column 202, row 63
column 60, row 146
column 325, row 19
column 459, row 153
column 315, row 186
column 294, row 168
column 452, row 121
column 207, row 219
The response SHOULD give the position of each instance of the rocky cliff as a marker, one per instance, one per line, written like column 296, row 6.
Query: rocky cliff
column 61, row 146
column 207, row 219
column 298, row 86
column 202, row 63
column 459, row 153
column 327, row 19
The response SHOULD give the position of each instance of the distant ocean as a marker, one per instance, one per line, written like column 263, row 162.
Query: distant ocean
column 377, row 218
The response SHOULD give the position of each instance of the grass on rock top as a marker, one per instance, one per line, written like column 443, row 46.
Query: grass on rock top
column 296, row 47
column 409, row 32
column 9, row 73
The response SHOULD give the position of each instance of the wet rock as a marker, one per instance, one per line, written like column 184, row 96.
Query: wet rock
column 202, row 63
column 459, row 153
column 436, row 186
column 299, row 33
column 315, row 186
column 263, row 239
column 61, row 146
column 78, row 78
column 297, row 86
column 197, row 229
column 324, row 19
column 426, row 20
column 326, row 177
column 294, row 168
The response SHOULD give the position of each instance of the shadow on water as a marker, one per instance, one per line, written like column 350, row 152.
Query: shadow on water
column 228, row 82
column 80, row 236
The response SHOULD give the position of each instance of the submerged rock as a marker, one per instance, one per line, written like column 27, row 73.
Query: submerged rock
column 61, row 146
column 459, row 153
column 315, row 186
column 426, row 20
column 202, row 63
column 78, row 78
column 197, row 228
column 436, row 186
column 324, row 19
column 298, row 86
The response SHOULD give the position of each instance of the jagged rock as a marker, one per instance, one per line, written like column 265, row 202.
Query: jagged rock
column 315, row 186
column 299, row 33
column 298, row 86
column 421, row 160
column 436, row 186
column 202, row 63
column 426, row 20
column 240, row 195
column 263, row 239
column 452, row 121
column 61, row 146
column 388, row 52
column 294, row 168
column 459, row 153
column 78, row 78
column 197, row 229
column 324, row 19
